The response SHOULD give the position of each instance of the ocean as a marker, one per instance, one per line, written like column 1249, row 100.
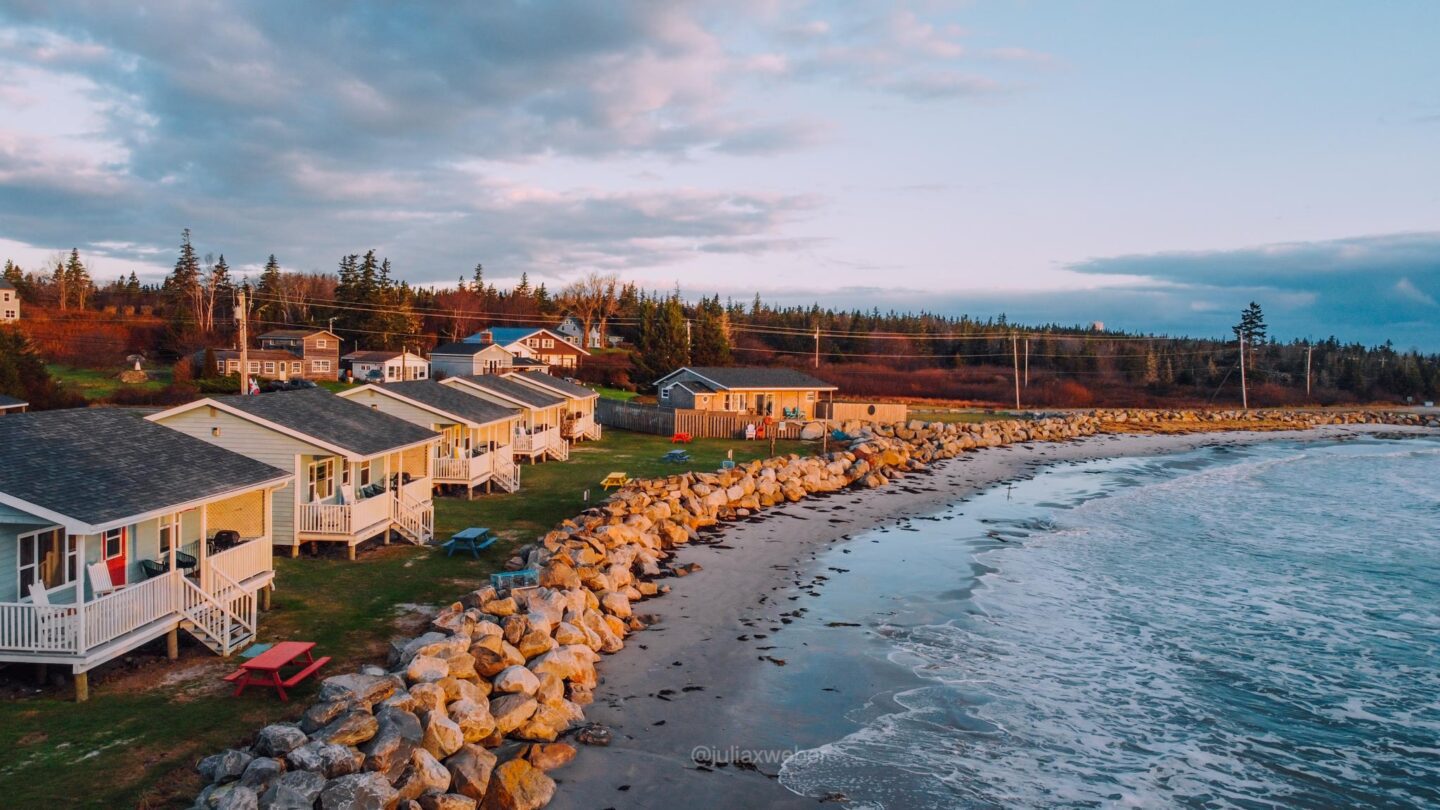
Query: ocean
column 1235, row 626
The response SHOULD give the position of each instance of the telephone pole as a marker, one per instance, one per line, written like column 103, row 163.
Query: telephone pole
column 1308, row 350
column 240, row 315
column 689, row 344
column 1015, row 350
column 1244, row 393
column 1027, row 362
column 817, row 347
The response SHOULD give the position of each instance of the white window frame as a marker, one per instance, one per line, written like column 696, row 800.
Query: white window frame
column 313, row 479
column 269, row 366
column 319, row 365
column 295, row 367
column 392, row 372
column 69, row 566
column 809, row 396
column 322, row 343
column 363, row 472
column 254, row 366
column 167, row 524
column 547, row 343
column 665, row 392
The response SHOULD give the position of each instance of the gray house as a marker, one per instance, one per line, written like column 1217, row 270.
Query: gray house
column 115, row 531
column 465, row 359
column 777, row 392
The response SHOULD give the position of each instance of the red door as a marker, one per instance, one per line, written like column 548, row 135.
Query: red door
column 113, row 545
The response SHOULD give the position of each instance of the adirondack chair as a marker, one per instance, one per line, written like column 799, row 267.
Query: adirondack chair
column 750, row 432
column 53, row 629
column 100, row 581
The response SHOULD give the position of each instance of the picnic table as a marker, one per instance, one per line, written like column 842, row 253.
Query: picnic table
column 264, row 669
column 615, row 479
column 676, row 456
column 474, row 540
column 681, row 438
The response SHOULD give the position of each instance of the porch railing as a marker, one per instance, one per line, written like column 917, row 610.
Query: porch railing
column 130, row 608
column 38, row 628
column 251, row 557
column 342, row 518
column 464, row 470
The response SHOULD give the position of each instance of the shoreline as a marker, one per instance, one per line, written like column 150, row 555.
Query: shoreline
column 682, row 683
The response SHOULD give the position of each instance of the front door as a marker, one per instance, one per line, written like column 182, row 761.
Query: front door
column 112, row 546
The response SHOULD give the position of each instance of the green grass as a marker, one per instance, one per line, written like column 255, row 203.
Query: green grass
column 616, row 393
column 335, row 385
column 95, row 384
column 135, row 742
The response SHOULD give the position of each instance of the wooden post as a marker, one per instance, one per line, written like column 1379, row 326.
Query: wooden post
column 1244, row 393
column 82, row 687
column 817, row 347
column 1308, row 351
column 244, row 341
column 172, row 643
column 1015, row 349
column 265, row 593
column 350, row 550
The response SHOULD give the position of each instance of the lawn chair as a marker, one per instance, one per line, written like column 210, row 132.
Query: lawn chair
column 100, row 582
column 54, row 630
column 750, row 432
column 152, row 568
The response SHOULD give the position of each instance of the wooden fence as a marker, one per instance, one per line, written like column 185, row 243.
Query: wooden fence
column 863, row 411
column 639, row 418
column 721, row 425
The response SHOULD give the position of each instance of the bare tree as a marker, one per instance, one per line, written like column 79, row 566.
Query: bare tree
column 590, row 298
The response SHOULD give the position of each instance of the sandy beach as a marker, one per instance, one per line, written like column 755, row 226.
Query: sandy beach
column 681, row 686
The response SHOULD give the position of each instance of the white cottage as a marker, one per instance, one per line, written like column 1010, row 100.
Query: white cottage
column 578, row 419
column 476, row 434
column 115, row 531
column 538, row 436
column 359, row 473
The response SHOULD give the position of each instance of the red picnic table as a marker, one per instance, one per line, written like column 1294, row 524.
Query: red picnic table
column 264, row 669
column 680, row 438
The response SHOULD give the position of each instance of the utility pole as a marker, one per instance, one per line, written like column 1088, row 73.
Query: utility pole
column 1015, row 350
column 1308, row 351
column 240, row 315
column 332, row 325
column 1027, row 362
column 1244, row 393
column 817, row 347
column 689, row 343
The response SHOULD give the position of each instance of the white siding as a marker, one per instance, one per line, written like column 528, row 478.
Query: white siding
column 454, row 365
column 257, row 442
column 404, row 410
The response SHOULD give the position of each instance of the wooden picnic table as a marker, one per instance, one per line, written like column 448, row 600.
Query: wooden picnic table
column 615, row 479
column 474, row 540
column 264, row 669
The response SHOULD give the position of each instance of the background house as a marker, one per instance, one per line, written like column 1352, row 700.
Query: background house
column 319, row 349
column 548, row 346
column 571, row 328
column 269, row 364
column 386, row 366
column 9, row 302
column 464, row 359
column 776, row 392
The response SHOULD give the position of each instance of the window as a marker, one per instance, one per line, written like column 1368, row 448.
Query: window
column 362, row 473
column 295, row 367
column 269, row 366
column 49, row 558
column 665, row 392
column 169, row 531
column 322, row 343
column 320, row 365
column 320, row 483
column 809, row 396
column 547, row 343
column 533, row 342
column 113, row 543
column 392, row 372
column 233, row 366
column 254, row 366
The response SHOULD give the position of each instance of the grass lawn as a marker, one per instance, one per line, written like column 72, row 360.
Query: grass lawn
column 135, row 742
column 616, row 393
column 100, row 384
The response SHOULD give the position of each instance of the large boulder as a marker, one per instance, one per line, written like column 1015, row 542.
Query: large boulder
column 226, row 766
column 518, row 785
column 352, row 728
column 279, row 739
column 296, row 790
column 549, row 756
column 516, row 679
column 368, row 689
column 425, row 775
column 443, row 736
column 470, row 770
column 359, row 791
column 398, row 735
column 260, row 773
column 326, row 759
column 426, row 669
column 447, row 801
column 511, row 711
column 474, row 719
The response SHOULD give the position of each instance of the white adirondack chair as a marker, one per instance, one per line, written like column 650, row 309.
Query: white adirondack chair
column 53, row 629
column 100, row 581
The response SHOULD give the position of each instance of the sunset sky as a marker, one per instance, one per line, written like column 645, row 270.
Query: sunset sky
column 1155, row 165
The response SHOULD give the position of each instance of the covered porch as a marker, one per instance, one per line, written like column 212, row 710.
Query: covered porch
column 343, row 500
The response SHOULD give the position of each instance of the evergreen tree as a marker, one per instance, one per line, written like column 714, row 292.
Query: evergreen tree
column 523, row 288
column 710, row 345
column 60, row 280
column 182, row 286
column 268, row 291
column 479, row 279
column 78, row 283
column 662, row 344
column 132, row 285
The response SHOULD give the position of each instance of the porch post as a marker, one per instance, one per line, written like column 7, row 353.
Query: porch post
column 82, row 687
column 174, row 539
column 204, row 563
column 80, row 595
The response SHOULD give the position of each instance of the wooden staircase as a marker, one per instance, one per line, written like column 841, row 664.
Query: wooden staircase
column 506, row 474
column 222, row 618
column 413, row 520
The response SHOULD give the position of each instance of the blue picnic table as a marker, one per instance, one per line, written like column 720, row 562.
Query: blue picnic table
column 474, row 540
column 676, row 456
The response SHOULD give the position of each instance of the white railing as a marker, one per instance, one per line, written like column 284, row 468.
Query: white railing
column 342, row 518
column 524, row 443
column 38, row 628
column 224, row 615
column 251, row 557
column 452, row 470
column 507, row 472
column 416, row 517
column 582, row 427
column 130, row 608
column 420, row 489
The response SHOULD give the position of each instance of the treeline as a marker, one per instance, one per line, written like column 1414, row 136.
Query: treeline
column 873, row 352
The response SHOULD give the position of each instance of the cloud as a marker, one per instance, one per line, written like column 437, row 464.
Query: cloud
column 1406, row 289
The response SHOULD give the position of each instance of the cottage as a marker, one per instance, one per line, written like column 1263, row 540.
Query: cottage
column 12, row 405
column 318, row 349
column 464, row 359
column 550, row 347
column 474, row 448
column 529, row 364
column 542, row 414
column 115, row 531
column 9, row 302
column 781, row 393
column 268, row 364
column 571, row 327
column 578, row 419
column 386, row 366
column 359, row 474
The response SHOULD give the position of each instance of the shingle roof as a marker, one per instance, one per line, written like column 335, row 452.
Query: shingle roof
column 6, row 285
column 372, row 356
column 559, row 386
column 733, row 377
column 697, row 386
column 294, row 333
column 447, row 399
column 11, row 402
column 334, row 420
column 252, row 354
column 100, row 465
column 529, row 362
column 462, row 348
column 515, row 390
column 504, row 334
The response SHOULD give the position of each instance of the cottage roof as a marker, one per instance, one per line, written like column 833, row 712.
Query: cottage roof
column 100, row 467
column 556, row 385
column 731, row 378
column 506, row 335
column 448, row 400
column 464, row 348
column 333, row 420
column 251, row 355
column 6, row 285
column 297, row 333
column 11, row 402
column 514, row 390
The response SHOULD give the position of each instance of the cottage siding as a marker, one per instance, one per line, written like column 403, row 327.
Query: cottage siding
column 454, row 365
column 10, row 561
column 257, row 442
column 403, row 410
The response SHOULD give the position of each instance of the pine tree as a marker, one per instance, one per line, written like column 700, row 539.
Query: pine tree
column 182, row 286
column 78, row 283
column 479, row 279
column 60, row 279
column 268, row 292
column 523, row 288
column 132, row 284
column 710, row 344
column 662, row 344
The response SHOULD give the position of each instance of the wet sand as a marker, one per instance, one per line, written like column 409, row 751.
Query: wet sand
column 683, row 684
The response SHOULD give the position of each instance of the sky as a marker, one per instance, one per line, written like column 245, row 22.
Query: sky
column 1154, row 165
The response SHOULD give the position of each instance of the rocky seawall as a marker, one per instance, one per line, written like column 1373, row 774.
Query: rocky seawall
column 472, row 713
